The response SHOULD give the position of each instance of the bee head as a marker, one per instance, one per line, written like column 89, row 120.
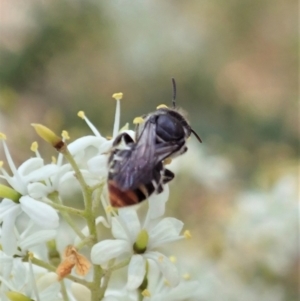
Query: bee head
column 181, row 119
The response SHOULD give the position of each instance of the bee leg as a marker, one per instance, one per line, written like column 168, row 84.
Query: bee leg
column 123, row 136
column 167, row 176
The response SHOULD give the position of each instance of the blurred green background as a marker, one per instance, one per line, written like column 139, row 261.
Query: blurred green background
column 236, row 67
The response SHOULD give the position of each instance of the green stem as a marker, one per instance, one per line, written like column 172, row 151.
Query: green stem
column 65, row 208
column 106, row 277
column 64, row 291
column 56, row 199
column 78, row 174
column 90, row 219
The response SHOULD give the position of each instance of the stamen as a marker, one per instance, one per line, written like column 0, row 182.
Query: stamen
column 138, row 120
column 187, row 234
column 117, row 119
column 162, row 106
column 186, row 276
column 34, row 146
column 53, row 160
column 65, row 135
column 10, row 161
column 166, row 283
column 160, row 258
column 90, row 125
column 146, row 293
column 2, row 136
column 117, row 97
column 173, row 259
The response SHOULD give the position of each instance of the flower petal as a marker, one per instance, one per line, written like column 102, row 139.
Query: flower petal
column 80, row 292
column 157, row 203
column 166, row 229
column 105, row 250
column 131, row 221
column 30, row 165
column 136, row 272
column 42, row 214
column 118, row 230
column 42, row 173
column 8, row 238
column 37, row 238
column 165, row 265
column 6, row 207
column 85, row 230
column 38, row 190
column 98, row 165
column 83, row 143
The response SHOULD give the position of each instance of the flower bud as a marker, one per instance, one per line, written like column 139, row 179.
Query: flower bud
column 15, row 296
column 48, row 136
column 9, row 193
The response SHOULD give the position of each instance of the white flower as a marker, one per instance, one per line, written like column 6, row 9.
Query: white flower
column 91, row 152
column 159, row 289
column 19, row 243
column 139, row 242
column 32, row 170
column 17, row 276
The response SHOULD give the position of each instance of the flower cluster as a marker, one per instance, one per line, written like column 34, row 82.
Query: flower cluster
column 37, row 264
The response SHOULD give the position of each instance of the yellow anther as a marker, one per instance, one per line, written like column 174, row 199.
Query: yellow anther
column 138, row 120
column 30, row 255
column 81, row 114
column 65, row 135
column 166, row 283
column 173, row 259
column 108, row 137
column 146, row 293
column 53, row 160
column 167, row 161
column 1, row 164
column 186, row 276
column 2, row 136
column 160, row 258
column 117, row 96
column 109, row 209
column 34, row 146
column 187, row 234
column 162, row 106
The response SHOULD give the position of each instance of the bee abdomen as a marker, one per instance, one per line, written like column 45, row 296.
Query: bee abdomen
column 121, row 198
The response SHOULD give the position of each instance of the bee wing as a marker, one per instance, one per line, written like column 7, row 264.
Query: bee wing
column 136, row 166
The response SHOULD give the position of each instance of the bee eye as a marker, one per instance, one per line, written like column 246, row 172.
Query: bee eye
column 169, row 129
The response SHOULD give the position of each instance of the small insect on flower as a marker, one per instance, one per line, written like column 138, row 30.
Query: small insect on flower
column 72, row 258
column 136, row 167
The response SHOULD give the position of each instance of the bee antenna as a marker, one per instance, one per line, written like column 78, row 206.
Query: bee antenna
column 174, row 92
column 197, row 136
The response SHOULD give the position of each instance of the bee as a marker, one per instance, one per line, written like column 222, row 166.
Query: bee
column 136, row 169
column 136, row 166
